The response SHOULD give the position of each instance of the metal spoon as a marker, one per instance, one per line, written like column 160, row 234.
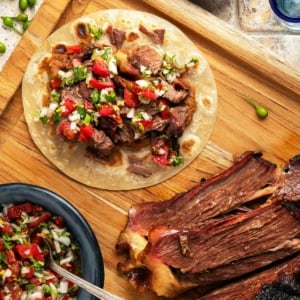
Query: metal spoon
column 91, row 288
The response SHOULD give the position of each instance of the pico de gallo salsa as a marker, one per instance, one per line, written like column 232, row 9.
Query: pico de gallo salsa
column 23, row 274
column 108, row 97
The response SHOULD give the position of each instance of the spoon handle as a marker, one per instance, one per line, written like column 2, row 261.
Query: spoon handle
column 91, row 288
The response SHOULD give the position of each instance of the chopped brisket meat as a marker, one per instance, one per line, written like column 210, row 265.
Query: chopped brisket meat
column 83, row 90
column 100, row 143
column 126, row 133
column 139, row 170
column 71, row 93
column 136, row 166
column 145, row 56
column 202, row 239
column 157, row 35
column 177, row 121
column 174, row 94
column 125, row 66
column 116, row 36
column 159, row 124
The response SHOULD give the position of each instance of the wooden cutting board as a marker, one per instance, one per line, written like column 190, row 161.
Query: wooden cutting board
column 240, row 66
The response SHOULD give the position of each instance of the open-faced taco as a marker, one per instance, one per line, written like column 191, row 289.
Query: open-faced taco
column 119, row 99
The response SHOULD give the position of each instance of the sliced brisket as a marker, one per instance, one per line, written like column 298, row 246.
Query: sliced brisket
column 279, row 282
column 215, row 196
column 207, row 237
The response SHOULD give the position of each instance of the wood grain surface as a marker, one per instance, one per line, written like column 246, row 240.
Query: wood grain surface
column 240, row 66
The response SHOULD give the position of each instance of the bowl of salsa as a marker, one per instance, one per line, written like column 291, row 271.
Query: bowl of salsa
column 28, row 215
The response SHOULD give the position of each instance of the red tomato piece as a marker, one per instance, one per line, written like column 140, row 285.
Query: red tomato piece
column 164, row 108
column 161, row 159
column 147, row 124
column 16, row 268
column 106, row 110
column 44, row 217
column 55, row 82
column 70, row 106
column 147, row 93
column 7, row 228
column 15, row 212
column 32, row 250
column 71, row 49
column 10, row 256
column 98, row 84
column 85, row 133
column 130, row 98
column 59, row 221
column 66, row 131
column 100, row 68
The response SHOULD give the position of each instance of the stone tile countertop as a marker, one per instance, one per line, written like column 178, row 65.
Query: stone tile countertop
column 256, row 19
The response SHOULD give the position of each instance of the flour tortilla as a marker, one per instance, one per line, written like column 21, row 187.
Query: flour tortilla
column 71, row 159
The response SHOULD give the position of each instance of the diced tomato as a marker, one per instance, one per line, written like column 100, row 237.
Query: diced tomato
column 160, row 152
column 59, row 221
column 85, row 133
column 15, row 212
column 44, row 217
column 100, row 68
column 35, row 280
column 16, row 268
column 70, row 106
column 161, row 159
column 98, row 84
column 55, row 82
column 148, row 93
column 2, row 247
column 29, row 273
column 147, row 124
column 118, row 119
column 106, row 110
column 88, row 106
column 164, row 108
column 66, row 131
column 32, row 250
column 130, row 98
column 7, row 228
column 36, row 252
column 71, row 49
column 10, row 256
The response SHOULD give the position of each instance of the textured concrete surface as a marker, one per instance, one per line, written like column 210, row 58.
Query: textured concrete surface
column 7, row 35
column 256, row 19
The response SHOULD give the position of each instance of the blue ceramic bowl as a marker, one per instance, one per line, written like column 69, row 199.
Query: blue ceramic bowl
column 288, row 15
column 91, row 257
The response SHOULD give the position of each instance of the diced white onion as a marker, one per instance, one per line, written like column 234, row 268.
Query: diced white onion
column 66, row 260
column 63, row 287
column 142, row 83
